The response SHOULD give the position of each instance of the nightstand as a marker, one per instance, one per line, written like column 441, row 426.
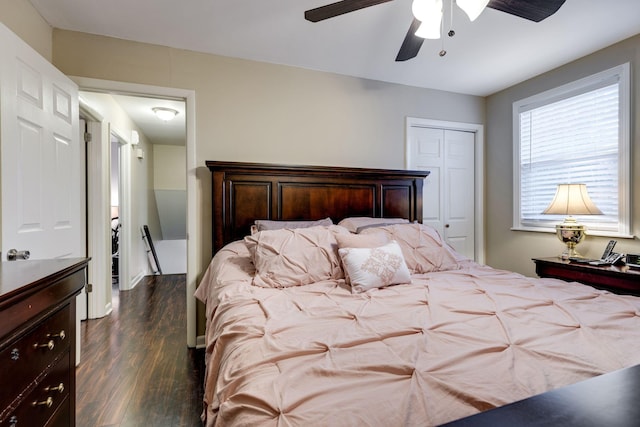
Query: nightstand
column 623, row 279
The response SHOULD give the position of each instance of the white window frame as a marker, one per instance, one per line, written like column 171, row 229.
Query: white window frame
column 623, row 75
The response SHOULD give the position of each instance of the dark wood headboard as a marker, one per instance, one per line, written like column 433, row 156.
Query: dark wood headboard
column 244, row 192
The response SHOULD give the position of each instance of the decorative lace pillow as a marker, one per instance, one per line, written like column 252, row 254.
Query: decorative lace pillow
column 350, row 240
column 369, row 268
column 295, row 257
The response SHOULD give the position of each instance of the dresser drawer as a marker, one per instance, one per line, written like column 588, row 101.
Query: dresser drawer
column 48, row 402
column 62, row 417
column 27, row 309
column 25, row 358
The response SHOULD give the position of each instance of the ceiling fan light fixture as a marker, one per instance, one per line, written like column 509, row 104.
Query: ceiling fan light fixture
column 165, row 114
column 429, row 13
column 427, row 31
column 473, row 8
column 532, row 10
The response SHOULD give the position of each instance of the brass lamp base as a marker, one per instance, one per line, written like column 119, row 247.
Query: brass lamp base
column 570, row 233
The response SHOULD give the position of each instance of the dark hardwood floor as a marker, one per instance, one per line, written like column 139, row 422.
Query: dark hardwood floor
column 136, row 369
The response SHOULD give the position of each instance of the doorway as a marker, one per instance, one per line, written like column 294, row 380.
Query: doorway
column 188, row 97
column 115, row 208
column 141, row 195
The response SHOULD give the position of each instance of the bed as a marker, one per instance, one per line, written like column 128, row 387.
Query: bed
column 374, row 320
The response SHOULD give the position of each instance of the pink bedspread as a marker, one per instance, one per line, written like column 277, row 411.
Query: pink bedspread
column 446, row 346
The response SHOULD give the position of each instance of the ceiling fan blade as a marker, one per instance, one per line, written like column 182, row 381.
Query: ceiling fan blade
column 411, row 44
column 533, row 10
column 339, row 8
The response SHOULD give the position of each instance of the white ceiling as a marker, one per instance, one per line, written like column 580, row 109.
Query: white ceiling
column 139, row 110
column 490, row 54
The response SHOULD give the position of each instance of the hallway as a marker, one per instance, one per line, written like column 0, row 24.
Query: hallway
column 136, row 369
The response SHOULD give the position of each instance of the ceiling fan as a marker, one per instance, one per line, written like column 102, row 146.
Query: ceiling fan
column 533, row 10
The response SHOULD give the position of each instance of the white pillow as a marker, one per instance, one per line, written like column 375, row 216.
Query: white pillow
column 369, row 268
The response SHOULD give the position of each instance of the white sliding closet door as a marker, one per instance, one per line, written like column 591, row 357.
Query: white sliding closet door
column 449, row 190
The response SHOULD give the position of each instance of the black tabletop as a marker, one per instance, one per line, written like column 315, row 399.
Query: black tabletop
column 611, row 400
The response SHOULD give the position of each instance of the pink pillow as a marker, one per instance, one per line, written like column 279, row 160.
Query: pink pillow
column 267, row 224
column 371, row 240
column 422, row 247
column 357, row 224
column 295, row 257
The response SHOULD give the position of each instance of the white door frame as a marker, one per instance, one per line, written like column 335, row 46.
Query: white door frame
column 478, row 130
column 190, row 102
column 126, row 235
column 97, row 241
column 99, row 269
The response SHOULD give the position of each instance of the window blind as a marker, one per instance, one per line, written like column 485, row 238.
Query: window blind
column 572, row 140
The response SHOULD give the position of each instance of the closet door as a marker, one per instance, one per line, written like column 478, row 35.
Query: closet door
column 42, row 160
column 449, row 199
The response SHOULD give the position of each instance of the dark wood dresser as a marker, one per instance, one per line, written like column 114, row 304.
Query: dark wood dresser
column 37, row 341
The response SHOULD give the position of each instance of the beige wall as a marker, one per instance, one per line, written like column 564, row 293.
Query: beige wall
column 513, row 250
column 169, row 166
column 258, row 112
column 170, row 187
column 250, row 111
column 21, row 18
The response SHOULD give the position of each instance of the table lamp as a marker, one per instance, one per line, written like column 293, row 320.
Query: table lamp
column 571, row 199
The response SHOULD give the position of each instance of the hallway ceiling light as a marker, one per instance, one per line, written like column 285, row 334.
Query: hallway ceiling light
column 165, row 114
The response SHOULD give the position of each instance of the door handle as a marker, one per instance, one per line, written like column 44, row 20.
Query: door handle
column 14, row 254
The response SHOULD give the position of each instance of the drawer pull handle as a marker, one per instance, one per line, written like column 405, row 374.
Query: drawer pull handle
column 50, row 345
column 59, row 388
column 15, row 354
column 60, row 335
column 48, row 402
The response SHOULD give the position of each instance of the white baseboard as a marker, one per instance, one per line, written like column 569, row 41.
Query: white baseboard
column 137, row 279
column 200, row 342
column 108, row 308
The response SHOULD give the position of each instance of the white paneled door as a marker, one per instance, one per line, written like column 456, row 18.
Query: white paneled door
column 449, row 190
column 42, row 163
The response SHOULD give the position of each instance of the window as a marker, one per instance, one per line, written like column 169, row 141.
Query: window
column 577, row 133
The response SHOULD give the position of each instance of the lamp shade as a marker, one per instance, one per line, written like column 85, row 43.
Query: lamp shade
column 572, row 199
